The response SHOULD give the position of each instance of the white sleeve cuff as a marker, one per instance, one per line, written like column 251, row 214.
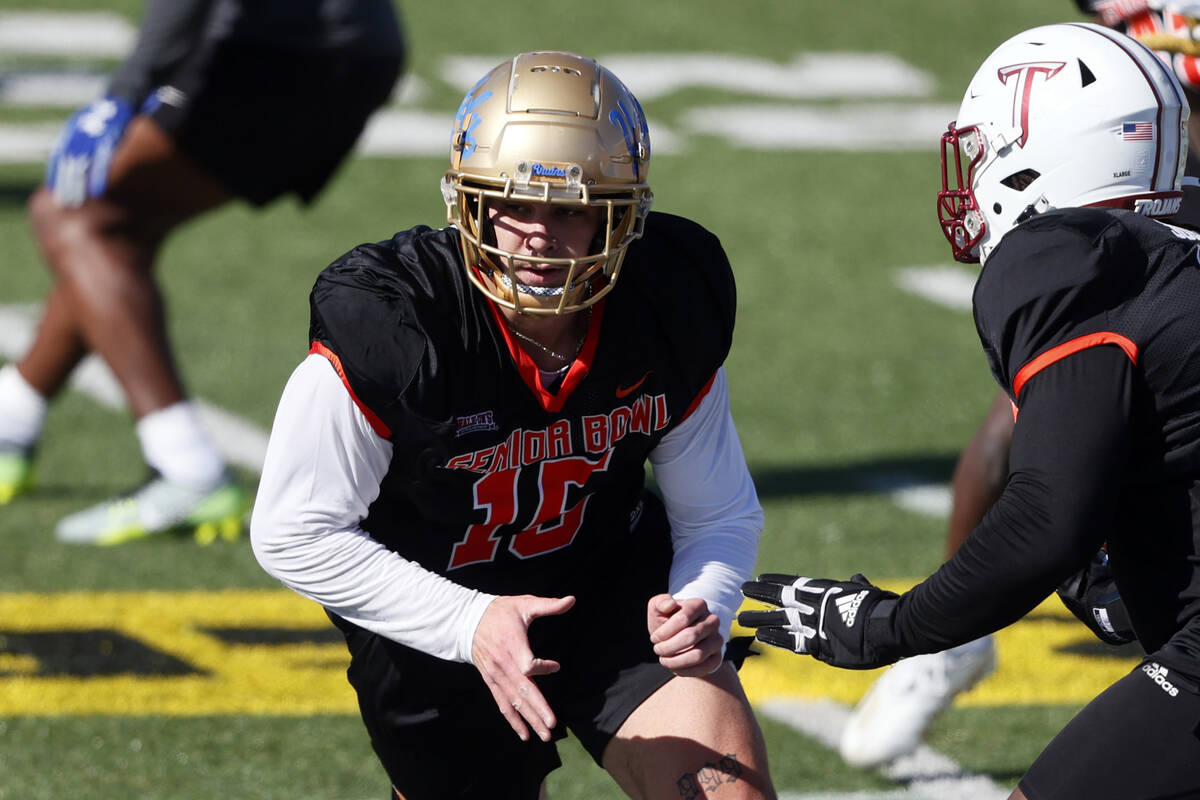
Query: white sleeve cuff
column 712, row 505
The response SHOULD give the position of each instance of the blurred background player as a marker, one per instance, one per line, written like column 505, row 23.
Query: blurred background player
column 895, row 714
column 219, row 99
column 457, row 470
column 1086, row 310
column 892, row 718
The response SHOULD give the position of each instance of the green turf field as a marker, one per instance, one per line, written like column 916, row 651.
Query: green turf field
column 841, row 382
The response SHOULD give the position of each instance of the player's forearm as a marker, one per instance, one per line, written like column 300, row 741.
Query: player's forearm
column 323, row 469
column 360, row 580
column 1069, row 453
column 714, row 567
column 1000, row 573
column 712, row 505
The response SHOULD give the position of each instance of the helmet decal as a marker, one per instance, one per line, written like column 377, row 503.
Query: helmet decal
column 1023, row 88
column 466, row 121
column 632, row 123
column 1137, row 131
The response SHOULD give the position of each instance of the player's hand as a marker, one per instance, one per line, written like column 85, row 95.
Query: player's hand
column 686, row 635
column 1091, row 595
column 501, row 653
column 829, row 620
column 78, row 164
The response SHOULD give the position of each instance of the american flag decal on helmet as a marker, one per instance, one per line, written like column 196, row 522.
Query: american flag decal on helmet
column 1137, row 131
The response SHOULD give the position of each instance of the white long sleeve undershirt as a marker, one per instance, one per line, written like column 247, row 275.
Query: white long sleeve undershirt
column 711, row 504
column 323, row 469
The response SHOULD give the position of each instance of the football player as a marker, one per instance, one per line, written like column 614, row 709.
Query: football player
column 203, row 111
column 1069, row 145
column 456, row 471
column 892, row 718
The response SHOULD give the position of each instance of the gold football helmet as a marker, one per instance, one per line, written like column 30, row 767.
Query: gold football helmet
column 548, row 127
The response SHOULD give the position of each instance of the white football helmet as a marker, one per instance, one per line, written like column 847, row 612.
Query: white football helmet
column 1061, row 116
column 549, row 127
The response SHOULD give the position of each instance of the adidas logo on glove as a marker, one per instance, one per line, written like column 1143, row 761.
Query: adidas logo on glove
column 848, row 607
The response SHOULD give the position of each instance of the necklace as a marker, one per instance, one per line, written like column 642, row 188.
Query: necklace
column 565, row 359
column 547, row 350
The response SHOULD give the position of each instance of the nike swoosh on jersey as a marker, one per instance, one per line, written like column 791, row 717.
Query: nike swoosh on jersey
column 624, row 390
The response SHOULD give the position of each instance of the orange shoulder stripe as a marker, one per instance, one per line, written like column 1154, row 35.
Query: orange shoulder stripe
column 696, row 401
column 1071, row 347
column 376, row 423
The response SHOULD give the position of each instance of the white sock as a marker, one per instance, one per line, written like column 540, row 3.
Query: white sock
column 175, row 443
column 22, row 409
column 983, row 643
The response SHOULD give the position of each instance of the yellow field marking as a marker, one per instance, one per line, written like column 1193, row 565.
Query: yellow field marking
column 237, row 679
column 233, row 677
column 14, row 663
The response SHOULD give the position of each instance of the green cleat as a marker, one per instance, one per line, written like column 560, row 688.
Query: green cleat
column 16, row 473
column 159, row 506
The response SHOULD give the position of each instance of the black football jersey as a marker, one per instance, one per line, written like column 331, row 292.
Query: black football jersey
column 1093, row 317
column 1069, row 279
column 494, row 481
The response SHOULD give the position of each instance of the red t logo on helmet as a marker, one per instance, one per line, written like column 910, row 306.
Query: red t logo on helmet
column 1023, row 87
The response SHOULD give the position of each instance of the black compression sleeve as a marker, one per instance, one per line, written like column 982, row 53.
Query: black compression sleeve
column 168, row 32
column 1070, row 446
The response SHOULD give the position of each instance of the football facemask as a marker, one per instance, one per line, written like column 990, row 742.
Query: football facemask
column 1061, row 116
column 557, row 128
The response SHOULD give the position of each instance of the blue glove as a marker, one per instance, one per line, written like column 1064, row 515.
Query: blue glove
column 79, row 162
column 843, row 623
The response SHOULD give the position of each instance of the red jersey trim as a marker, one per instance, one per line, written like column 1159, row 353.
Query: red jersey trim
column 528, row 370
column 1058, row 353
column 699, row 398
column 376, row 423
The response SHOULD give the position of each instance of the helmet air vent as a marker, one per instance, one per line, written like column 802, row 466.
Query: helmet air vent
column 548, row 68
column 1019, row 181
column 1085, row 75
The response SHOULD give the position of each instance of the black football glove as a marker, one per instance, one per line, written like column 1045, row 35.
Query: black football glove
column 1091, row 595
column 843, row 623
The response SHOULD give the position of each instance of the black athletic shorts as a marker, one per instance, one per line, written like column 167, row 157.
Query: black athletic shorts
column 266, row 122
column 434, row 724
column 1139, row 740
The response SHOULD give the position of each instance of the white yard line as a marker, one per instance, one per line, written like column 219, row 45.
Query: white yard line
column 65, row 89
column 950, row 287
column 857, row 127
column 929, row 499
column 64, row 33
column 27, row 144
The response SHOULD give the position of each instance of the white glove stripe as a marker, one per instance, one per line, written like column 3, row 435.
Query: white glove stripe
column 833, row 590
column 801, row 632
